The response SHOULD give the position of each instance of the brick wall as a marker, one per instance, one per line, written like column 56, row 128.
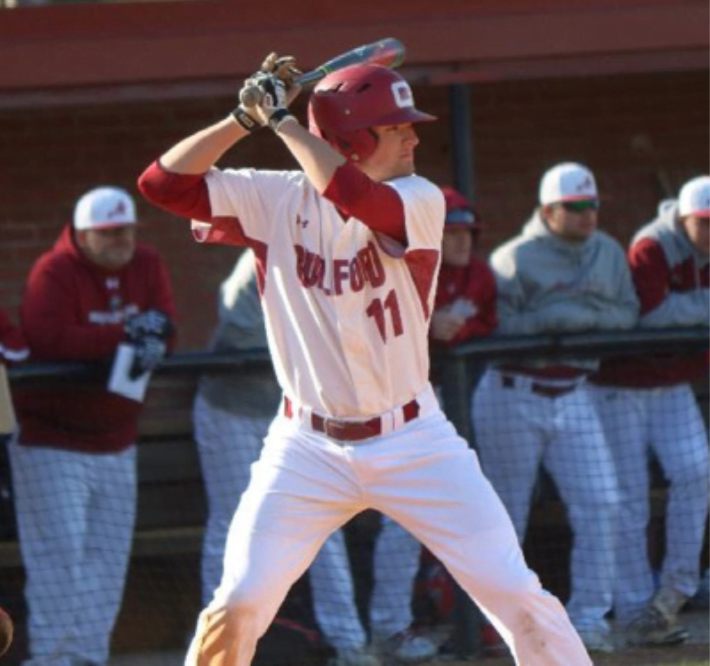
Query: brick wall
column 50, row 156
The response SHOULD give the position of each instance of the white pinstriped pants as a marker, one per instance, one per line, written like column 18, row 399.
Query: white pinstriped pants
column 228, row 445
column 75, row 518
column 517, row 430
column 668, row 422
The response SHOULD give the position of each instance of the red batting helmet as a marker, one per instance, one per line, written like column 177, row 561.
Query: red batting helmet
column 459, row 211
column 347, row 103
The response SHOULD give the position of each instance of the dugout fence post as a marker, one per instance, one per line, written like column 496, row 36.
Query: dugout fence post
column 455, row 394
column 456, row 382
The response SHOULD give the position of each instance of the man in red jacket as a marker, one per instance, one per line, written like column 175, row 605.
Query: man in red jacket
column 646, row 403
column 74, row 466
column 466, row 292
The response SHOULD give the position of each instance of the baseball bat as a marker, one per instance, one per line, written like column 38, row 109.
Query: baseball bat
column 642, row 145
column 388, row 52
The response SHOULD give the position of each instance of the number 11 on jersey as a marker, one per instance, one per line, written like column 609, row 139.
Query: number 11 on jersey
column 376, row 310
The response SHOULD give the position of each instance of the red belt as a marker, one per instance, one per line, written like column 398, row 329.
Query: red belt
column 541, row 389
column 352, row 431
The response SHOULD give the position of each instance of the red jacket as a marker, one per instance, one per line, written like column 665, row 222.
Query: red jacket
column 474, row 283
column 73, row 310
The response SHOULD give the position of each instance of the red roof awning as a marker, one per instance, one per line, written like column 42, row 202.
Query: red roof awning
column 56, row 47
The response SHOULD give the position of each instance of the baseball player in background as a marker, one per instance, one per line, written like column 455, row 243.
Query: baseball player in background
column 74, row 464
column 561, row 275
column 231, row 416
column 465, row 305
column 647, row 401
column 347, row 252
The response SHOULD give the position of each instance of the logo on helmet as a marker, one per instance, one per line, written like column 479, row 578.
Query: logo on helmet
column 403, row 97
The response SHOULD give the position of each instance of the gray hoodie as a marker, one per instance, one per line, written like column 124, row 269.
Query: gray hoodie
column 241, row 327
column 685, row 301
column 550, row 285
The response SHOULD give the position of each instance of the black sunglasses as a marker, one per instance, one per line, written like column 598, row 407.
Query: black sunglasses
column 580, row 206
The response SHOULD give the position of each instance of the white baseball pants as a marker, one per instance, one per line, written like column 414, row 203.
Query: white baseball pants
column 669, row 422
column 516, row 430
column 228, row 445
column 424, row 476
column 75, row 518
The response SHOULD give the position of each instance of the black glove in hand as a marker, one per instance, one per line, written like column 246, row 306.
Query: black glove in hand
column 273, row 107
column 149, row 352
column 150, row 322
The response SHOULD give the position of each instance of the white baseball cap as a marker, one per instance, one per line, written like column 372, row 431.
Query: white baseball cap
column 694, row 197
column 103, row 208
column 568, row 181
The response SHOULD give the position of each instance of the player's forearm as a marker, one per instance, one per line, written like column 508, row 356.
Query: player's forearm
column 684, row 309
column 200, row 151
column 317, row 159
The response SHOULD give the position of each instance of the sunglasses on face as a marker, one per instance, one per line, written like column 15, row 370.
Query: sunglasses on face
column 580, row 206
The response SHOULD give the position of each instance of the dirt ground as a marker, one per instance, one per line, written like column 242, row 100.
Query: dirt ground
column 694, row 653
column 685, row 655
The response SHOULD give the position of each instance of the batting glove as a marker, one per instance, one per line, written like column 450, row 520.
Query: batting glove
column 273, row 107
column 250, row 94
column 283, row 67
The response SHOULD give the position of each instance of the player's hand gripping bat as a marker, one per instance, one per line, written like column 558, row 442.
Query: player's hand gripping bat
column 387, row 52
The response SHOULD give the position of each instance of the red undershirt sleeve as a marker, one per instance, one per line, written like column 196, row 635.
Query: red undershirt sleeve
column 377, row 205
column 182, row 194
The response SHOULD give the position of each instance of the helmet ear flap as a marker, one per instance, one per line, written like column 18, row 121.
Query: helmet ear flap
column 356, row 145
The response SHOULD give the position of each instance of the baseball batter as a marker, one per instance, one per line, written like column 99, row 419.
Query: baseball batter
column 348, row 253
column 232, row 413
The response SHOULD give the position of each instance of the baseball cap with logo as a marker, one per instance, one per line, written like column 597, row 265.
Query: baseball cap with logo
column 568, row 181
column 459, row 211
column 694, row 198
column 104, row 208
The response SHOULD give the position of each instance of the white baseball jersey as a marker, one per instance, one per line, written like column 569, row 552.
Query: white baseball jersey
column 347, row 310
